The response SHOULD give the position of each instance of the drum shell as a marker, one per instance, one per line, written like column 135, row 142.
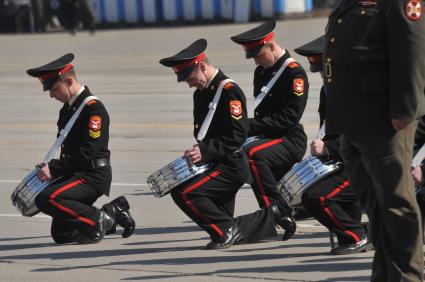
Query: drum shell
column 173, row 175
column 23, row 197
column 304, row 175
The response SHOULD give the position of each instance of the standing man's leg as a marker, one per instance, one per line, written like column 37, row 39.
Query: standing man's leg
column 379, row 166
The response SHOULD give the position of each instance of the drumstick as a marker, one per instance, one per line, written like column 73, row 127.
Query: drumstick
column 419, row 157
column 321, row 133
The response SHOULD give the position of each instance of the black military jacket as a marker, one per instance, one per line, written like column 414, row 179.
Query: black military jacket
column 228, row 129
column 280, row 111
column 374, row 65
column 87, row 141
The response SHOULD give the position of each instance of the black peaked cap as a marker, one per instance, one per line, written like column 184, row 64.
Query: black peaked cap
column 185, row 55
column 315, row 47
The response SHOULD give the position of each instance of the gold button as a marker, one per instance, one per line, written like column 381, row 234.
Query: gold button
column 363, row 12
column 329, row 80
column 270, row 94
column 196, row 126
column 332, row 39
column 63, row 156
column 329, row 60
column 339, row 20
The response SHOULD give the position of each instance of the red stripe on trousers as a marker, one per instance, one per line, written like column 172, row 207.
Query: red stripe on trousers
column 331, row 215
column 193, row 208
column 255, row 170
column 65, row 209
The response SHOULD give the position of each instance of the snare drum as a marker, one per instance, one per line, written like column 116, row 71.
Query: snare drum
column 174, row 174
column 23, row 198
column 304, row 175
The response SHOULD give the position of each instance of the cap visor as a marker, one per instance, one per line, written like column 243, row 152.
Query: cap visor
column 249, row 54
column 48, row 84
column 184, row 74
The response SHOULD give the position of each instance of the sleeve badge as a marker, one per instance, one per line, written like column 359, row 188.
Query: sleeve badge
column 414, row 10
column 236, row 109
column 95, row 124
column 298, row 86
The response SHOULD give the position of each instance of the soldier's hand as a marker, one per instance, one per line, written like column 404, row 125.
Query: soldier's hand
column 194, row 154
column 417, row 176
column 318, row 148
column 43, row 172
column 399, row 124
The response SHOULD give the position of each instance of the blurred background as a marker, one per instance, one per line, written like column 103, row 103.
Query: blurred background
column 23, row 16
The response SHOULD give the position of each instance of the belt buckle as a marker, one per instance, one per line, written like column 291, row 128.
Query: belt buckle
column 328, row 69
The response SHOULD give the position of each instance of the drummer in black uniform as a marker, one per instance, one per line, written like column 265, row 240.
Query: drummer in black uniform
column 209, row 198
column 277, row 117
column 332, row 201
column 83, row 172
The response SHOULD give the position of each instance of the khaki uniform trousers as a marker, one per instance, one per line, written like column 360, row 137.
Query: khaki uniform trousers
column 378, row 164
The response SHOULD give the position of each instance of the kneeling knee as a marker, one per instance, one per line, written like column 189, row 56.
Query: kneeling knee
column 41, row 201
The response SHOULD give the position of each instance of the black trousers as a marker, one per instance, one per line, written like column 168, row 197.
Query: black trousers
column 70, row 204
column 333, row 202
column 269, row 160
column 209, row 200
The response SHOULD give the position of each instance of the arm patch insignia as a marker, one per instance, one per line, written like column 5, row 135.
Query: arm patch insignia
column 298, row 86
column 95, row 124
column 236, row 109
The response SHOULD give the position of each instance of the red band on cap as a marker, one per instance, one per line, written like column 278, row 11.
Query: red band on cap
column 55, row 73
column 185, row 65
column 251, row 45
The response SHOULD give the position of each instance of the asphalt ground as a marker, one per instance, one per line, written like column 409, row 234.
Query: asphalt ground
column 151, row 125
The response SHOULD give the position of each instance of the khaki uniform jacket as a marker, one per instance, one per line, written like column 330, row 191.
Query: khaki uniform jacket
column 374, row 65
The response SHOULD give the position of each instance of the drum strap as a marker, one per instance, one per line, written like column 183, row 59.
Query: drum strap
column 64, row 131
column 212, row 107
column 266, row 89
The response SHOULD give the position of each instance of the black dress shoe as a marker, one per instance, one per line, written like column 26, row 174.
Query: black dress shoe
column 104, row 223
column 363, row 245
column 230, row 237
column 282, row 213
column 119, row 209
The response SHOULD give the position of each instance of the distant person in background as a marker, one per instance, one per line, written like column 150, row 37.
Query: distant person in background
column 37, row 8
column 84, row 14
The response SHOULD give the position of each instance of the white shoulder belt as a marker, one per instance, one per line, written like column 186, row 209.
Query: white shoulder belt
column 266, row 89
column 64, row 132
column 212, row 107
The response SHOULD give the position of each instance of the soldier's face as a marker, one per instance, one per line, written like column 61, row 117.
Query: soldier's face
column 60, row 91
column 197, row 78
column 265, row 57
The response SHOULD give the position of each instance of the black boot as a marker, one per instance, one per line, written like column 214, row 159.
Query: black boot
column 103, row 224
column 282, row 213
column 119, row 209
column 230, row 237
